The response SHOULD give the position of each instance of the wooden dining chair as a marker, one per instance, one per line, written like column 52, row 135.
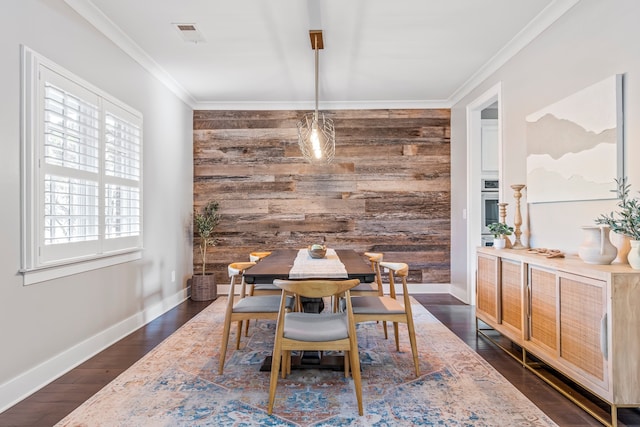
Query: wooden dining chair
column 315, row 331
column 258, row 255
column 246, row 307
column 389, row 309
column 372, row 288
column 367, row 288
column 262, row 288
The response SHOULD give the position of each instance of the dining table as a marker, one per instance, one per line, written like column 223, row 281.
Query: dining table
column 281, row 265
column 296, row 264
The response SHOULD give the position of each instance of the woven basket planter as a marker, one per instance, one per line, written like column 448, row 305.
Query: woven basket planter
column 203, row 288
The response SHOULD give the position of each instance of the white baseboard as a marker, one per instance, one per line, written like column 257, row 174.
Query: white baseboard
column 20, row 387
column 460, row 294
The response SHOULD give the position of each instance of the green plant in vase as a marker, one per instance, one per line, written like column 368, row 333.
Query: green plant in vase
column 204, row 223
column 500, row 230
column 626, row 220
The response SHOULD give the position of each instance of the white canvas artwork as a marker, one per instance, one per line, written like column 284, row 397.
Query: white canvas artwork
column 574, row 146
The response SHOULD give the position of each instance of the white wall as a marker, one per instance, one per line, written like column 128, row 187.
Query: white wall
column 593, row 40
column 48, row 327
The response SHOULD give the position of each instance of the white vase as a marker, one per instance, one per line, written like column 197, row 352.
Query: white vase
column 596, row 247
column 621, row 242
column 499, row 243
column 634, row 255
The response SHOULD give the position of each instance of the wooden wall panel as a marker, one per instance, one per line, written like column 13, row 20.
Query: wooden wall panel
column 388, row 189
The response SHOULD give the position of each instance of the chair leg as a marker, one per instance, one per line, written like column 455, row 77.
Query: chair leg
column 395, row 332
column 384, row 326
column 414, row 346
column 286, row 364
column 357, row 379
column 225, row 342
column 275, row 367
column 239, row 335
column 346, row 363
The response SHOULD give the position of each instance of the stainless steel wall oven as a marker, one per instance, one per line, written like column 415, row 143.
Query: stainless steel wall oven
column 490, row 210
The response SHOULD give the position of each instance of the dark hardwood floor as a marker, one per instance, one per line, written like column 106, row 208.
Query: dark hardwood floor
column 460, row 318
column 53, row 402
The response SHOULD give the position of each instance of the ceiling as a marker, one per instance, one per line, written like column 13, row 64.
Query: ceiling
column 257, row 54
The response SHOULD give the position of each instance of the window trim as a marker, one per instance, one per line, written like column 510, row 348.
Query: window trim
column 33, row 269
column 51, row 272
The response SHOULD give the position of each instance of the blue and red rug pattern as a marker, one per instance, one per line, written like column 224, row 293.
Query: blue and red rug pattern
column 177, row 384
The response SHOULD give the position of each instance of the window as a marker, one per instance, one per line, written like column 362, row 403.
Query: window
column 82, row 174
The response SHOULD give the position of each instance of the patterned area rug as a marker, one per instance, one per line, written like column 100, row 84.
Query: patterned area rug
column 177, row 384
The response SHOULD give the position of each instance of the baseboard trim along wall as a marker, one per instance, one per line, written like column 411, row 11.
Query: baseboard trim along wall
column 29, row 382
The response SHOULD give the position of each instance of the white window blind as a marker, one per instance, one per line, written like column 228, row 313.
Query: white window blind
column 82, row 170
column 70, row 210
column 71, row 164
column 122, row 174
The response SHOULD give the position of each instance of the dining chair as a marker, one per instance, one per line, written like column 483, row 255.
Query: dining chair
column 315, row 331
column 368, row 288
column 389, row 309
column 375, row 287
column 258, row 255
column 246, row 307
column 262, row 288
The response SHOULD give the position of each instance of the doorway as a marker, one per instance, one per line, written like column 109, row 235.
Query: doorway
column 484, row 161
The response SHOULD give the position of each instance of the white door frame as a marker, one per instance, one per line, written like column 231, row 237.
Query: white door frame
column 474, row 176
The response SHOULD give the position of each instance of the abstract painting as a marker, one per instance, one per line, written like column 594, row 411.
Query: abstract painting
column 574, row 146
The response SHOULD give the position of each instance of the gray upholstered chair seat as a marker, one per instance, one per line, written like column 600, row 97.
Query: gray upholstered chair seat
column 378, row 305
column 261, row 303
column 316, row 327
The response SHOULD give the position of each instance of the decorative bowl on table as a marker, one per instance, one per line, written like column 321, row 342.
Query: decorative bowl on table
column 317, row 251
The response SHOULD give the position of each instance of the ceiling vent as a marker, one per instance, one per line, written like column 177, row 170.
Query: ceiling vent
column 189, row 33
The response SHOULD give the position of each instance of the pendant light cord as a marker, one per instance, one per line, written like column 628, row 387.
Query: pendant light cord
column 315, row 43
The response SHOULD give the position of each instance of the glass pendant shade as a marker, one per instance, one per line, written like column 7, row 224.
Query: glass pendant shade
column 316, row 134
column 317, row 138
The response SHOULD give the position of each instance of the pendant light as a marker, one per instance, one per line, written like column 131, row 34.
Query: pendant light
column 316, row 134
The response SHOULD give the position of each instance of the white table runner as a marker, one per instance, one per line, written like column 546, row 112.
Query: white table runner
column 329, row 267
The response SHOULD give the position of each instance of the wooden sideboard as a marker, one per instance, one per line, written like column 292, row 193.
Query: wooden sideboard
column 580, row 320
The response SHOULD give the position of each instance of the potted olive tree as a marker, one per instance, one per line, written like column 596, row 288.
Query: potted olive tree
column 203, row 285
column 500, row 232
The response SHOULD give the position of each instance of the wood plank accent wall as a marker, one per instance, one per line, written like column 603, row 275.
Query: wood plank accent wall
column 387, row 190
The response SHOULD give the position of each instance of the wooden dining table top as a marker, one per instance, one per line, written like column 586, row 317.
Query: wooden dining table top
column 279, row 263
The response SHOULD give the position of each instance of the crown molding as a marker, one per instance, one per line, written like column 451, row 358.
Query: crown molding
column 326, row 105
column 540, row 23
column 87, row 10
column 549, row 15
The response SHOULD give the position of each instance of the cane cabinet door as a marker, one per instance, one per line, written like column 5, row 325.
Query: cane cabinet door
column 511, row 310
column 543, row 310
column 583, row 327
column 487, row 282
